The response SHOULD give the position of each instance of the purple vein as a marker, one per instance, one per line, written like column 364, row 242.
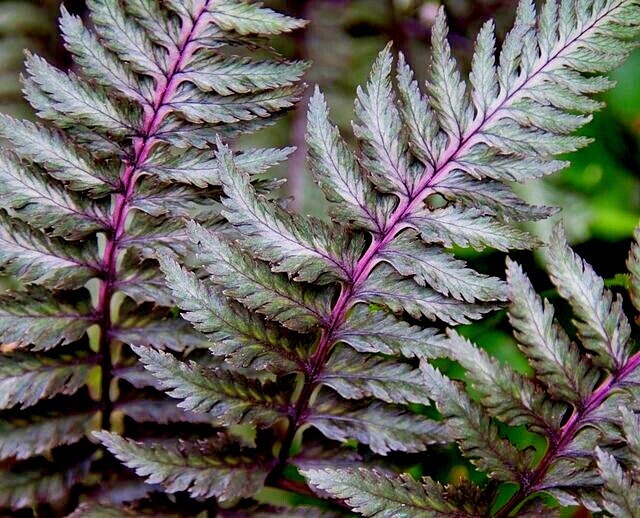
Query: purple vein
column 165, row 90
column 397, row 222
column 568, row 432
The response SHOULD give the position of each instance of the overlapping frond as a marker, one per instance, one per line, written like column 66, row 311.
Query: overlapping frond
column 431, row 170
column 183, row 465
column 300, row 323
column 384, row 428
column 121, row 156
column 586, row 412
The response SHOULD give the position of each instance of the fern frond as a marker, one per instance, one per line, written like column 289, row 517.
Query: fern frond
column 234, row 332
column 245, row 18
column 621, row 496
column 121, row 156
column 384, row 428
column 440, row 270
column 26, row 379
column 253, row 284
column 590, row 425
column 226, row 397
column 38, row 318
column 478, row 437
column 20, row 489
column 304, row 249
column 602, row 325
column 23, row 438
column 336, row 169
column 375, row 493
column 384, row 145
column 432, row 169
column 379, row 332
column 556, row 360
column 188, row 466
column 355, row 376
column 385, row 287
column 33, row 257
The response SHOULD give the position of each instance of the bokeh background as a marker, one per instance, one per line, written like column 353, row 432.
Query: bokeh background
column 599, row 194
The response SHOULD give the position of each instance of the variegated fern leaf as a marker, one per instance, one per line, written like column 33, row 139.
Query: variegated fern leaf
column 583, row 399
column 305, row 316
column 120, row 159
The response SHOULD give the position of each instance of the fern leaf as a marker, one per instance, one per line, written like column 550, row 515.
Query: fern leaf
column 183, row 466
column 122, row 37
column 197, row 107
column 158, row 411
column 507, row 395
column 468, row 227
column 418, row 117
column 602, row 325
column 449, row 95
column 170, row 333
column 97, row 62
column 337, row 171
column 28, row 488
column 26, row 379
column 379, row 332
column 38, row 319
column 555, row 359
column 234, row 331
column 478, row 437
column 384, row 428
column 621, row 496
column 494, row 198
column 385, row 287
column 253, row 284
column 33, row 257
column 44, row 205
column 485, row 162
column 372, row 492
column 380, row 130
column 296, row 246
column 633, row 265
column 355, row 376
column 631, row 428
column 93, row 192
column 69, row 101
column 483, row 76
column 227, row 398
column 246, row 18
column 441, row 271
column 236, row 75
column 28, row 436
column 199, row 168
column 50, row 150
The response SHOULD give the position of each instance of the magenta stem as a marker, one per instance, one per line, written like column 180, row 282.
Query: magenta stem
column 155, row 113
column 567, row 434
column 398, row 221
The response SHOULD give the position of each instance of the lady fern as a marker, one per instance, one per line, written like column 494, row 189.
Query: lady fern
column 582, row 400
column 120, row 158
column 329, row 350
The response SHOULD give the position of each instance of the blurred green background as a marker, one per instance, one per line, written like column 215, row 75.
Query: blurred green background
column 599, row 194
